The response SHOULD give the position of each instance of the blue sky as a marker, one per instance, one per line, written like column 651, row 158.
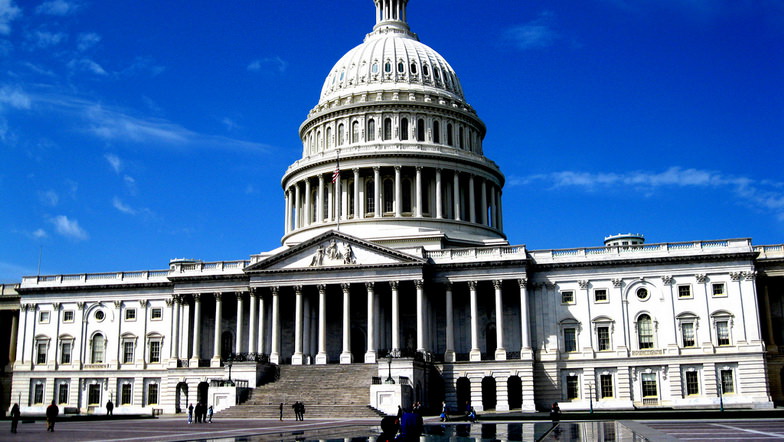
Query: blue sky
column 135, row 132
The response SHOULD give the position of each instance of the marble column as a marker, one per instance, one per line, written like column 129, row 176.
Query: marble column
column 456, row 195
column 196, row 331
column 357, row 199
column 377, row 189
column 476, row 353
column 296, row 358
column 320, row 200
column 216, row 354
column 449, row 355
column 175, row 345
column 287, row 215
column 297, row 207
column 439, row 196
column 307, row 214
column 370, row 355
column 321, row 356
column 525, row 346
column 395, row 318
column 483, row 202
column 275, row 345
column 419, row 191
column 500, row 351
column 14, row 336
column 260, row 344
column 252, row 321
column 345, row 355
column 398, row 193
column 420, row 312
column 238, row 340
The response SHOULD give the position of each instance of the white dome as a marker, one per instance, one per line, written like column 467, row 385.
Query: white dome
column 391, row 59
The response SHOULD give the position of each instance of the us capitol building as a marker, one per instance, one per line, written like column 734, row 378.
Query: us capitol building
column 394, row 259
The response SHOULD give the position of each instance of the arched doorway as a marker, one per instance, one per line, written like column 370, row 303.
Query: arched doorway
column 463, row 393
column 489, row 398
column 203, row 393
column 181, row 398
column 358, row 344
column 514, row 389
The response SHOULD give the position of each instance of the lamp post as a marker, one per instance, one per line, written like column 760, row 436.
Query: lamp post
column 389, row 379
column 229, row 363
column 721, row 395
column 590, row 394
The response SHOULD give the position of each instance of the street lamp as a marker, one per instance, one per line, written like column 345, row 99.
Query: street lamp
column 389, row 379
column 229, row 363
column 590, row 395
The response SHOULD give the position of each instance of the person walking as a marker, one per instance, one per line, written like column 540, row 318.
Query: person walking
column 51, row 416
column 14, row 417
column 302, row 411
column 281, row 411
column 190, row 413
column 555, row 413
column 444, row 411
column 110, row 408
column 209, row 413
column 295, row 407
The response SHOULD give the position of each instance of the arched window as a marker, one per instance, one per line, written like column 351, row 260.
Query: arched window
column 449, row 137
column 420, row 130
column 413, row 68
column 404, row 129
column 98, row 349
column 406, row 184
column 645, row 331
column 401, row 67
column 329, row 138
column 389, row 199
column 387, row 129
column 425, row 70
column 436, row 132
column 341, row 134
column 355, row 132
column 370, row 135
column 370, row 197
column 461, row 138
column 320, row 141
column 374, row 69
column 387, row 67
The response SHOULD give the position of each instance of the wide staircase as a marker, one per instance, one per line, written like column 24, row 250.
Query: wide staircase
column 328, row 391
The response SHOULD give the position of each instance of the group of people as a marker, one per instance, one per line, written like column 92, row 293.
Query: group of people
column 202, row 411
column 299, row 410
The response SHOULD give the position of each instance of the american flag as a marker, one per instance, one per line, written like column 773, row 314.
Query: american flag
column 336, row 175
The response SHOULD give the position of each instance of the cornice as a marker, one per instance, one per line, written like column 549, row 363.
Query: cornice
column 643, row 261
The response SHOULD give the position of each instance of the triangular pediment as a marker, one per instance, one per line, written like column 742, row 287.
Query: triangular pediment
column 334, row 250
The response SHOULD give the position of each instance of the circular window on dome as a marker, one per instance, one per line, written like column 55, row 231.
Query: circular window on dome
column 99, row 315
column 642, row 294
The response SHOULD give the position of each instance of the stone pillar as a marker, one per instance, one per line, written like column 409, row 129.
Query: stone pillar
column 296, row 358
column 395, row 318
column 501, row 391
column 471, row 200
column 196, row 331
column 449, row 355
column 262, row 326
column 500, row 351
column 252, row 321
column 476, row 353
column 275, row 345
column 377, row 189
column 419, row 191
column 420, row 312
column 525, row 346
column 175, row 345
column 320, row 200
column 456, row 193
column 439, row 203
column 297, row 207
column 321, row 356
column 370, row 355
column 483, row 201
column 357, row 199
column 216, row 354
column 238, row 340
column 398, row 193
column 307, row 214
column 287, row 215
column 14, row 336
column 771, row 345
column 345, row 355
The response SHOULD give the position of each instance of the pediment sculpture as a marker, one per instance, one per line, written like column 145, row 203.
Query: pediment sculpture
column 333, row 254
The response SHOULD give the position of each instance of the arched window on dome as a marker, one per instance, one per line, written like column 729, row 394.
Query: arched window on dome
column 420, row 130
column 355, row 132
column 374, row 68
column 449, row 135
column 98, row 349
column 437, row 73
column 461, row 138
column 425, row 70
column 370, row 135
column 413, row 68
column 370, row 198
column 388, row 67
column 436, row 132
column 389, row 199
column 401, row 67
column 387, row 129
column 320, row 141
column 329, row 138
column 404, row 129
column 341, row 134
column 313, row 205
column 406, row 188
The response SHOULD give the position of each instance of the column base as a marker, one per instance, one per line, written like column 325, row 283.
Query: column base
column 500, row 355
column 215, row 361
column 275, row 358
column 193, row 362
column 450, row 356
column 297, row 359
column 370, row 357
column 173, row 363
column 321, row 359
column 346, row 358
column 475, row 355
column 526, row 353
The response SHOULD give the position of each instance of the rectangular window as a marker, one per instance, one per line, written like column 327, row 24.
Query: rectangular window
column 68, row 316
column 687, row 330
column 65, row 353
column 152, row 394
column 722, row 333
column 684, row 291
column 125, row 394
column 38, row 394
column 156, row 313
column 572, row 387
column 62, row 394
column 43, row 317
column 646, row 334
column 127, row 352
column 649, row 385
column 600, row 295
column 692, row 383
column 727, row 384
column 606, row 381
column 41, row 352
column 718, row 289
column 567, row 297
column 155, row 351
column 130, row 314
column 94, row 394
column 603, row 338
column 570, row 339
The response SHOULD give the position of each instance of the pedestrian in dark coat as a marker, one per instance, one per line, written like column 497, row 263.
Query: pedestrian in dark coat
column 281, row 411
column 190, row 413
column 14, row 417
column 555, row 413
column 51, row 416
column 301, row 411
column 109, row 408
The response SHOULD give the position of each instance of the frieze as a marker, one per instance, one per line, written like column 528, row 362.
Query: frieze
column 333, row 254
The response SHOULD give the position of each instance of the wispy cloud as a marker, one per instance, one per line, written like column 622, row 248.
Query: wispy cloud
column 87, row 40
column 57, row 7
column 114, row 161
column 537, row 33
column 764, row 194
column 68, row 228
column 49, row 197
column 46, row 39
column 8, row 13
column 86, row 65
column 39, row 234
column 122, row 207
column 269, row 63
column 14, row 97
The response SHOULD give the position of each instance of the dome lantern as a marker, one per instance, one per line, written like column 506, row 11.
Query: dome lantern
column 391, row 13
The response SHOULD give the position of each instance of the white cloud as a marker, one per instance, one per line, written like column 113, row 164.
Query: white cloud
column 8, row 13
column 114, row 161
column 537, row 33
column 88, row 65
column 57, row 7
column 122, row 207
column 49, row 197
column 87, row 40
column 46, row 39
column 14, row 98
column 39, row 234
column 68, row 228
column 269, row 63
column 229, row 123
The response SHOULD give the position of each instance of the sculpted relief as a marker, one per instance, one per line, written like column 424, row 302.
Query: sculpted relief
column 333, row 254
